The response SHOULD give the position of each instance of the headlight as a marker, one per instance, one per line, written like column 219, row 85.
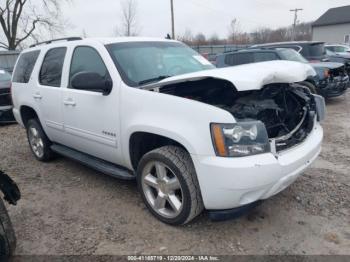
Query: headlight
column 241, row 139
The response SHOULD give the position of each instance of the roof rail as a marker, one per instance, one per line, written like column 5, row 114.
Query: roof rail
column 56, row 40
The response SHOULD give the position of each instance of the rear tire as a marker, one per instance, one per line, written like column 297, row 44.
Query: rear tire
column 38, row 141
column 7, row 234
column 310, row 86
column 168, row 185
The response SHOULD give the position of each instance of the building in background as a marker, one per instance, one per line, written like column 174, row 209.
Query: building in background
column 333, row 26
column 8, row 60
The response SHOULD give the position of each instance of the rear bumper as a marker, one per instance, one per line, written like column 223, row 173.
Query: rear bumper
column 334, row 88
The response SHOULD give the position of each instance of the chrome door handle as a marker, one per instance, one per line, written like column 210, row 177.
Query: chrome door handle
column 37, row 96
column 69, row 102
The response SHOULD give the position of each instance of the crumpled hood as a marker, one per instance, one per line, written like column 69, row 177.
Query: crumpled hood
column 248, row 77
column 329, row 65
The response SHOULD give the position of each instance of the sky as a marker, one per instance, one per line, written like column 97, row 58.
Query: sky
column 98, row 18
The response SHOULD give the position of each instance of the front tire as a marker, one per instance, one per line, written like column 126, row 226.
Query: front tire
column 168, row 185
column 38, row 141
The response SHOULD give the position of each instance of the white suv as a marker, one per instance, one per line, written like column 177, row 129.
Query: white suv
column 154, row 110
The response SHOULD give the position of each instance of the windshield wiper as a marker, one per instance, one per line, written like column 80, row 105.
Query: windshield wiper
column 156, row 79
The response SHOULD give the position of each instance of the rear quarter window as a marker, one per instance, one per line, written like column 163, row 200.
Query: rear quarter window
column 25, row 66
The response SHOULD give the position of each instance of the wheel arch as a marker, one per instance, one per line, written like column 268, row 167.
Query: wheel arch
column 142, row 142
column 27, row 113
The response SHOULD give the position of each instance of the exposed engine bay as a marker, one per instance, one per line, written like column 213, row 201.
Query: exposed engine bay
column 287, row 110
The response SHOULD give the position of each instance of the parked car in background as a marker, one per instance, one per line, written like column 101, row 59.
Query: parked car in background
column 194, row 137
column 337, row 48
column 7, row 235
column 310, row 50
column 340, row 58
column 331, row 81
column 6, row 115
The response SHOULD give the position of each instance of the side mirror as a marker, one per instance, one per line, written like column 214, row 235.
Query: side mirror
column 91, row 81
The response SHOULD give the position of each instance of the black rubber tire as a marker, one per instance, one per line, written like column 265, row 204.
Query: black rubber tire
column 7, row 234
column 181, row 163
column 48, row 153
column 310, row 86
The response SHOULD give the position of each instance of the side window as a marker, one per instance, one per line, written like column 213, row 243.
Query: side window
column 51, row 69
column 331, row 48
column 239, row 59
column 244, row 58
column 229, row 60
column 86, row 59
column 265, row 56
column 25, row 66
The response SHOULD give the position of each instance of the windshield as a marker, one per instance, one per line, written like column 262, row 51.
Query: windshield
column 141, row 63
column 292, row 55
column 4, row 76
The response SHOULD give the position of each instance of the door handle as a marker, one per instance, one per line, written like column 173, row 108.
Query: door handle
column 37, row 96
column 69, row 102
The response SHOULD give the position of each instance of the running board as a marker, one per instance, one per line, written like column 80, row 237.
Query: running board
column 93, row 162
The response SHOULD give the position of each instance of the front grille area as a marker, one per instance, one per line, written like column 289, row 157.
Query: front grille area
column 5, row 97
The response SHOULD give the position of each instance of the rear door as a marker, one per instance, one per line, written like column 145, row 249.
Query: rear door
column 48, row 93
column 91, row 119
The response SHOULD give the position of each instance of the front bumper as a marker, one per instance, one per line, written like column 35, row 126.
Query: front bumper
column 228, row 183
column 334, row 88
column 6, row 115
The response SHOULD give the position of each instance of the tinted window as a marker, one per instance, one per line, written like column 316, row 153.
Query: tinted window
column 51, row 69
column 264, row 56
column 331, row 48
column 25, row 66
column 239, row 59
column 316, row 50
column 86, row 59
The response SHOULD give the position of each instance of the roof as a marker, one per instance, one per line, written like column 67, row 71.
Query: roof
column 104, row 41
column 287, row 43
column 334, row 16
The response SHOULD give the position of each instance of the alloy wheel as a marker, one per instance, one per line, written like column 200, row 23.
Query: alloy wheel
column 162, row 189
column 36, row 142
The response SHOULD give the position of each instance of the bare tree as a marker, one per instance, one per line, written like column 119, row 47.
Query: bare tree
column 24, row 19
column 200, row 39
column 129, row 25
column 187, row 37
column 234, row 31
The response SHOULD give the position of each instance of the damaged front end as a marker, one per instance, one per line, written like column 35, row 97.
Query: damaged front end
column 287, row 111
column 272, row 119
column 334, row 82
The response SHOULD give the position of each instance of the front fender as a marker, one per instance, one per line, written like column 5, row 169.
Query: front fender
column 183, row 120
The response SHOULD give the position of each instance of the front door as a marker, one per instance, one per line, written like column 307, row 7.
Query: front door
column 91, row 119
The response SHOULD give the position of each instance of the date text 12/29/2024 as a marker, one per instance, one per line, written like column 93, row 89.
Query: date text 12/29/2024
column 173, row 258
